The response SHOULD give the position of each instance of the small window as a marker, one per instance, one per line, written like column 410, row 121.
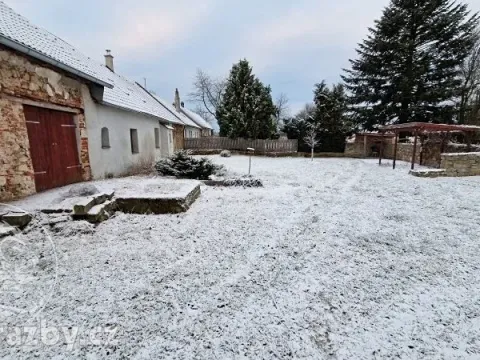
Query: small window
column 134, row 141
column 157, row 138
column 105, row 138
column 190, row 133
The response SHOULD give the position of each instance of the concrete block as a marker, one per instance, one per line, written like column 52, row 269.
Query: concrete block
column 6, row 230
column 17, row 219
column 429, row 173
column 83, row 207
column 104, row 196
column 162, row 205
column 101, row 212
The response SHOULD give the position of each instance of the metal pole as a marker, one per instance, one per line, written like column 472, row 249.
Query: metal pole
column 414, row 150
column 395, row 151
column 380, row 153
column 250, row 150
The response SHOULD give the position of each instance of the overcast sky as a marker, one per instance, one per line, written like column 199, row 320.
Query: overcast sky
column 291, row 44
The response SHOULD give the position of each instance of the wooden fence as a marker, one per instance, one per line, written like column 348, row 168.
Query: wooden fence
column 224, row 143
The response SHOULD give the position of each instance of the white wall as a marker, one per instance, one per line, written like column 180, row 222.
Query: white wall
column 117, row 159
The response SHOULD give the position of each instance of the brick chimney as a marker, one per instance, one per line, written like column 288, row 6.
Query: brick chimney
column 109, row 60
column 177, row 101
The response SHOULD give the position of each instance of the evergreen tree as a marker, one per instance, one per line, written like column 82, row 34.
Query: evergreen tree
column 330, row 117
column 408, row 66
column 247, row 108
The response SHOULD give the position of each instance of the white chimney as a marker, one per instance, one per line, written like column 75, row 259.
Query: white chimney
column 177, row 100
column 109, row 60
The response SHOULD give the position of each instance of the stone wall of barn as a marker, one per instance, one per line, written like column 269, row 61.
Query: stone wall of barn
column 25, row 81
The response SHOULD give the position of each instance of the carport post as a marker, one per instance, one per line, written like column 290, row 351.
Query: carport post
column 414, row 149
column 395, row 151
column 364, row 145
column 380, row 153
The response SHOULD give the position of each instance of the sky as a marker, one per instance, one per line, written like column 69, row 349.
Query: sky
column 291, row 44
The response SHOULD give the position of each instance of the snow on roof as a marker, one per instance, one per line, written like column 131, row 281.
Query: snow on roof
column 184, row 119
column 197, row 119
column 18, row 33
column 131, row 96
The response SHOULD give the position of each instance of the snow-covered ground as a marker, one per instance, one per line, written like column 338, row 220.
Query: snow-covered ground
column 335, row 258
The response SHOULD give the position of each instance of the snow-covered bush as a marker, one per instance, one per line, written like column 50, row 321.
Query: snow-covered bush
column 225, row 153
column 183, row 165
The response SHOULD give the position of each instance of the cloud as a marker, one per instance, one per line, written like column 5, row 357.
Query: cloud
column 312, row 24
column 157, row 27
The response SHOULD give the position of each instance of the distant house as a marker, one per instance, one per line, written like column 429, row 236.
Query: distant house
column 191, row 129
column 65, row 118
column 205, row 128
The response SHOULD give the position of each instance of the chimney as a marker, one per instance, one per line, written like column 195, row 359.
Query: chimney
column 177, row 100
column 109, row 60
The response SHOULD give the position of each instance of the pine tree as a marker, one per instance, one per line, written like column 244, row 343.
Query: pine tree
column 330, row 116
column 408, row 66
column 247, row 108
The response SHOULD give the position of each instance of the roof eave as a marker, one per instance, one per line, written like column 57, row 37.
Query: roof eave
column 106, row 103
column 158, row 101
column 39, row 56
column 199, row 125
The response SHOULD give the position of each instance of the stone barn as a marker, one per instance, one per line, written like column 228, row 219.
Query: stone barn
column 43, row 139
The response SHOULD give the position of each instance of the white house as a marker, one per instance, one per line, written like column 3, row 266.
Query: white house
column 127, row 130
column 203, row 126
column 206, row 128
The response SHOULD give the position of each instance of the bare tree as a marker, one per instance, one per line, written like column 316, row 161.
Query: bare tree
column 311, row 137
column 200, row 110
column 470, row 72
column 207, row 93
column 282, row 109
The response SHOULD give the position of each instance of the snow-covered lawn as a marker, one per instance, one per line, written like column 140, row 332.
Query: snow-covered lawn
column 335, row 258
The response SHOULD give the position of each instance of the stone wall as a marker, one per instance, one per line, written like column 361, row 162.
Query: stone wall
column 24, row 80
column 461, row 164
column 404, row 152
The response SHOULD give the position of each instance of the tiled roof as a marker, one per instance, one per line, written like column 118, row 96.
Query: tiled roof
column 204, row 124
column 173, row 110
column 129, row 95
column 18, row 33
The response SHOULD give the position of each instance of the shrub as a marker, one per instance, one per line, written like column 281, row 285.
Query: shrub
column 182, row 165
column 225, row 153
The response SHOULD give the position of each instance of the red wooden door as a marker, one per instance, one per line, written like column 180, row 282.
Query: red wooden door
column 53, row 147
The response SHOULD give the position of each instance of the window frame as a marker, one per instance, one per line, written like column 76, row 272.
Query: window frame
column 156, row 132
column 134, row 145
column 105, row 137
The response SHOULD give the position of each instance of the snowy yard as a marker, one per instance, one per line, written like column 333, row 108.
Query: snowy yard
column 336, row 258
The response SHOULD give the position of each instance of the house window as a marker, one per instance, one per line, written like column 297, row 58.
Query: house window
column 134, row 141
column 105, row 138
column 157, row 138
column 190, row 133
